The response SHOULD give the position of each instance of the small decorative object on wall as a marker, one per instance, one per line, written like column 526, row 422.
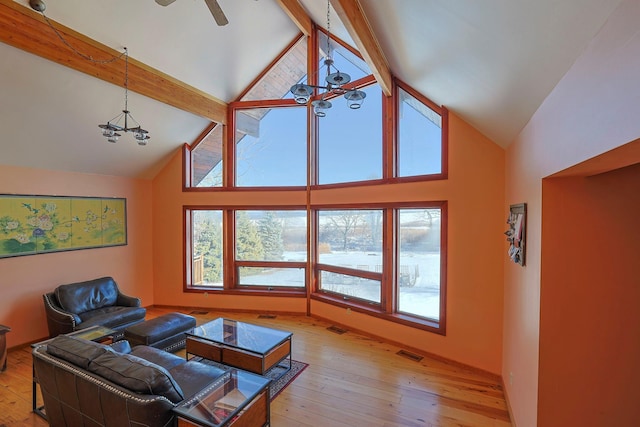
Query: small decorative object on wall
column 516, row 234
column 39, row 224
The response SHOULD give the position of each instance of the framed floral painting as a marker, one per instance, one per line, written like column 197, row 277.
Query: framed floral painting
column 40, row 224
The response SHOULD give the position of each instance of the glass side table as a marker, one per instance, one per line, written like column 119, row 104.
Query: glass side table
column 100, row 334
column 237, row 398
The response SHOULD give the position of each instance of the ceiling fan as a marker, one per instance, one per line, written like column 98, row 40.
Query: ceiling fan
column 213, row 5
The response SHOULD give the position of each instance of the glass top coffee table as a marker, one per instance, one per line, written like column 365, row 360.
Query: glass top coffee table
column 238, row 397
column 241, row 345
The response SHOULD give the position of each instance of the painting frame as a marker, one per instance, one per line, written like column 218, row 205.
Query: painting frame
column 39, row 224
column 517, row 233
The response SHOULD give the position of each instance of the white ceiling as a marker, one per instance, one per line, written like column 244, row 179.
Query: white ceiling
column 491, row 62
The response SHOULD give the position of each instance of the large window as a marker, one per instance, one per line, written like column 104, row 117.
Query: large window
column 387, row 260
column 301, row 227
column 352, row 262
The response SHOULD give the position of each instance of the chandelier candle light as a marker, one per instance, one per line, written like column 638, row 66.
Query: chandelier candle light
column 111, row 129
column 335, row 82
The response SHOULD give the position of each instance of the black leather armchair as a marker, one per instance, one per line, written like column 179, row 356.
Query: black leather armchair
column 94, row 302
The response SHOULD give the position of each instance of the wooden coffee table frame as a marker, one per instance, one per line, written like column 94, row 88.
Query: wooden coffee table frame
column 239, row 357
column 254, row 411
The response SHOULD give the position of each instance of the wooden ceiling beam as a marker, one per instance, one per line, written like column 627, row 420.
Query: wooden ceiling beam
column 356, row 23
column 298, row 15
column 26, row 29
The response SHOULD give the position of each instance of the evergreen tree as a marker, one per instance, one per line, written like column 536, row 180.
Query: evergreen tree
column 248, row 244
column 270, row 232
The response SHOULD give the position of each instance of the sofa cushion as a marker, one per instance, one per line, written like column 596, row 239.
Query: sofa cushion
column 137, row 375
column 121, row 346
column 86, row 296
column 75, row 350
column 112, row 317
column 154, row 355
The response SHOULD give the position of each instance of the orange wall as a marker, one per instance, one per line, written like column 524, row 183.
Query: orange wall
column 475, row 192
column 592, row 110
column 590, row 288
column 23, row 280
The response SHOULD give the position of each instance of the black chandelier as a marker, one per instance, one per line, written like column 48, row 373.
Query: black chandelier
column 335, row 80
column 113, row 126
column 111, row 129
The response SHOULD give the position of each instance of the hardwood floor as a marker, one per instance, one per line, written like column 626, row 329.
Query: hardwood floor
column 352, row 380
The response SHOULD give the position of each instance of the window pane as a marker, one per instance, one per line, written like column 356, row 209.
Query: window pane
column 206, row 265
column 350, row 141
column 352, row 239
column 419, row 262
column 419, row 138
column 271, row 236
column 353, row 286
column 265, row 276
column 271, row 147
column 206, row 160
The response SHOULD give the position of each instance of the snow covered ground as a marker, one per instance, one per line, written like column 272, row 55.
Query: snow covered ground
column 423, row 298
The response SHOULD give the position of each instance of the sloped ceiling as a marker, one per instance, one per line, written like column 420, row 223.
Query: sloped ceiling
column 491, row 62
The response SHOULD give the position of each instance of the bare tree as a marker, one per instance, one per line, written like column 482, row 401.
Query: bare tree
column 344, row 223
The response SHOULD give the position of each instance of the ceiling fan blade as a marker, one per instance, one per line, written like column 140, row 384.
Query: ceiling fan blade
column 164, row 2
column 217, row 12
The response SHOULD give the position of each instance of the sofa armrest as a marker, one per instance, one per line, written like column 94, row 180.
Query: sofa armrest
column 127, row 301
column 59, row 321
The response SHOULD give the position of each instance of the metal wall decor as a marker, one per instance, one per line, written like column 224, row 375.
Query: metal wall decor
column 516, row 234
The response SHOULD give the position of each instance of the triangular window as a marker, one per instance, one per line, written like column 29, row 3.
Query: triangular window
column 289, row 69
column 206, row 158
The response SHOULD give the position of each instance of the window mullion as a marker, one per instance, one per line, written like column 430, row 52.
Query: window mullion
column 389, row 262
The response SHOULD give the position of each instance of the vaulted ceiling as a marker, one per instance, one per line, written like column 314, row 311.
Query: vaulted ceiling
column 492, row 63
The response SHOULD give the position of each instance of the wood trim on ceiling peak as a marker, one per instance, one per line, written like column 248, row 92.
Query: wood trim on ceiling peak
column 352, row 16
column 27, row 30
column 298, row 15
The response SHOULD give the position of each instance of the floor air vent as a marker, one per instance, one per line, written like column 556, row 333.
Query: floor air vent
column 267, row 316
column 411, row 356
column 199, row 312
column 336, row 330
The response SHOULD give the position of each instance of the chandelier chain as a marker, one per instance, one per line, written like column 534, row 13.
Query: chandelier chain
column 126, row 79
column 328, row 30
column 76, row 51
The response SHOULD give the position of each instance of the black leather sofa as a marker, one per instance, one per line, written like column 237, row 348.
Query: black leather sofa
column 84, row 383
column 93, row 302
